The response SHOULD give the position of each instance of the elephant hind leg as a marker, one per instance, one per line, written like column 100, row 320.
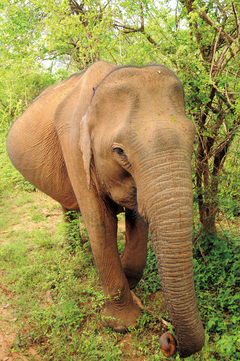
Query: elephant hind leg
column 134, row 255
column 69, row 217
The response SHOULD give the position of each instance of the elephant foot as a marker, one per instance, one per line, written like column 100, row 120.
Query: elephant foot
column 121, row 319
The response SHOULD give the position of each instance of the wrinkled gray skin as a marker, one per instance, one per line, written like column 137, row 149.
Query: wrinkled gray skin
column 114, row 138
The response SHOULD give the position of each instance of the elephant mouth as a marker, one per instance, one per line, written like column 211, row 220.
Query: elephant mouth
column 125, row 198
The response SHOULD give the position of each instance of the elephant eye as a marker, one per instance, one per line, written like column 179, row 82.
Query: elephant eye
column 119, row 151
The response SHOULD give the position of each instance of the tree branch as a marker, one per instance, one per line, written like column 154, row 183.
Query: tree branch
column 223, row 143
column 209, row 21
column 236, row 21
column 214, row 51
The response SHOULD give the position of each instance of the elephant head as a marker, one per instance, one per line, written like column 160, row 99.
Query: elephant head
column 137, row 140
column 114, row 138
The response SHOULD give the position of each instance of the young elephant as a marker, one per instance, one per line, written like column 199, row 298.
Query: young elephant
column 114, row 138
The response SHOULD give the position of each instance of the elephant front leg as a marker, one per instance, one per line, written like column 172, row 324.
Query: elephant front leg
column 120, row 311
column 134, row 255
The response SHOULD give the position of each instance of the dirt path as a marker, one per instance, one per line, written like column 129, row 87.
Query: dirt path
column 9, row 338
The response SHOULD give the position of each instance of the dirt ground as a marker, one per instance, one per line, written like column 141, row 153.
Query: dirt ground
column 9, row 338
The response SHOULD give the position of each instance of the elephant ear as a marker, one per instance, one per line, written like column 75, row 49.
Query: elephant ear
column 85, row 145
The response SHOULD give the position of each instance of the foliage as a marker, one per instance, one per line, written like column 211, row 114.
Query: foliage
column 150, row 282
column 20, row 72
column 228, row 197
column 215, row 95
column 217, row 281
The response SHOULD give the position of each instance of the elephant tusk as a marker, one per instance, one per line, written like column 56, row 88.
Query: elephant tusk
column 137, row 301
column 164, row 322
column 168, row 344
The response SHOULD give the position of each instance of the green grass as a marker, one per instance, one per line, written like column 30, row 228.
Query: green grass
column 53, row 286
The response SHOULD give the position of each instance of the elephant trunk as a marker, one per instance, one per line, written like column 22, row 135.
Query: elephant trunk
column 167, row 208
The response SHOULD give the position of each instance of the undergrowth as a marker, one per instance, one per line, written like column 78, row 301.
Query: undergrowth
column 217, row 282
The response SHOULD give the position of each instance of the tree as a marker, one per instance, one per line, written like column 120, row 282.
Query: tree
column 22, row 75
column 215, row 33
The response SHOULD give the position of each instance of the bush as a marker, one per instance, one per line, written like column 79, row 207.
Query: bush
column 217, row 282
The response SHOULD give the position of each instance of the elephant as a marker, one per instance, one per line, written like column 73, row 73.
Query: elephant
column 115, row 139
